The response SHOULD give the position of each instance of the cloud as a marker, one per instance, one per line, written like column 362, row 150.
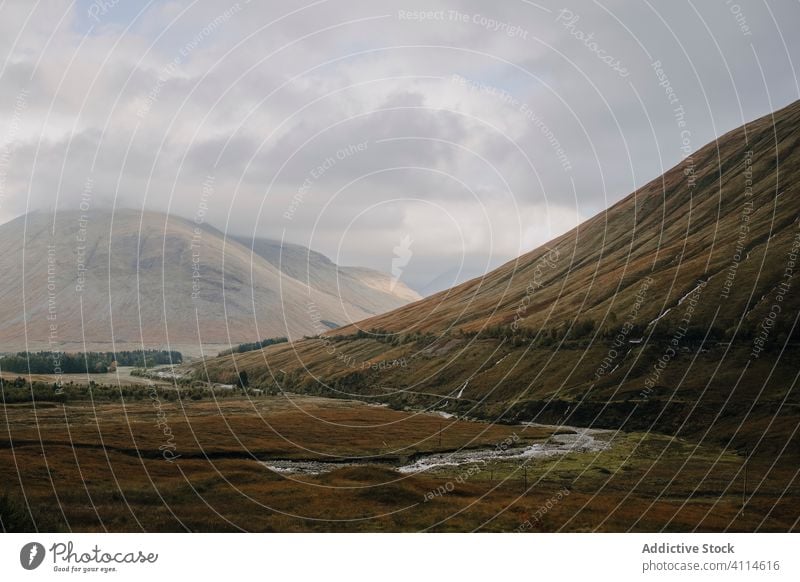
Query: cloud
column 487, row 128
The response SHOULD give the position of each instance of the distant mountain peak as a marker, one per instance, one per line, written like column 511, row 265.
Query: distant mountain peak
column 152, row 279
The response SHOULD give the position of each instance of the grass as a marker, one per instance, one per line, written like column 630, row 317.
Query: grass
column 216, row 485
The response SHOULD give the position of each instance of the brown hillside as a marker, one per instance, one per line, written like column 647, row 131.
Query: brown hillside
column 674, row 310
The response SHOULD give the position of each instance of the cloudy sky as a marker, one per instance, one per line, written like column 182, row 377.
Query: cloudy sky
column 472, row 130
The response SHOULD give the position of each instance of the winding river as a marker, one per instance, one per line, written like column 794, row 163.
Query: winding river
column 581, row 440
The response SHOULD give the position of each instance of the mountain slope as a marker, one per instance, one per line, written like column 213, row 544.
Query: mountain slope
column 132, row 279
column 370, row 290
column 668, row 230
column 673, row 310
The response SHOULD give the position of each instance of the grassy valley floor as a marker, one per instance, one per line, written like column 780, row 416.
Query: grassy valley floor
column 101, row 467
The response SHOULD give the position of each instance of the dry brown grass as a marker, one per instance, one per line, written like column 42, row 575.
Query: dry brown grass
column 216, row 486
column 272, row 427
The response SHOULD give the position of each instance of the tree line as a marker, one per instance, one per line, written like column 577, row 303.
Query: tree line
column 249, row 347
column 84, row 362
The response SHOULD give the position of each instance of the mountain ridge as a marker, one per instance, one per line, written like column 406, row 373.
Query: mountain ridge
column 136, row 278
column 655, row 314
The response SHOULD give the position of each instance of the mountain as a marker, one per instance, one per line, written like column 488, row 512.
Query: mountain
column 131, row 278
column 371, row 290
column 673, row 310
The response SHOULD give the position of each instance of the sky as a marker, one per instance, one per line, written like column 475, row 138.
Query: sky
column 430, row 139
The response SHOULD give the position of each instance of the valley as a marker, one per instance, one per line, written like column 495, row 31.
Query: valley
column 637, row 373
column 100, row 467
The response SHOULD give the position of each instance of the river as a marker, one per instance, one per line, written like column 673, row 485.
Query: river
column 581, row 440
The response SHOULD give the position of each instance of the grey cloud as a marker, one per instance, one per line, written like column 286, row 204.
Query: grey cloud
column 218, row 76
